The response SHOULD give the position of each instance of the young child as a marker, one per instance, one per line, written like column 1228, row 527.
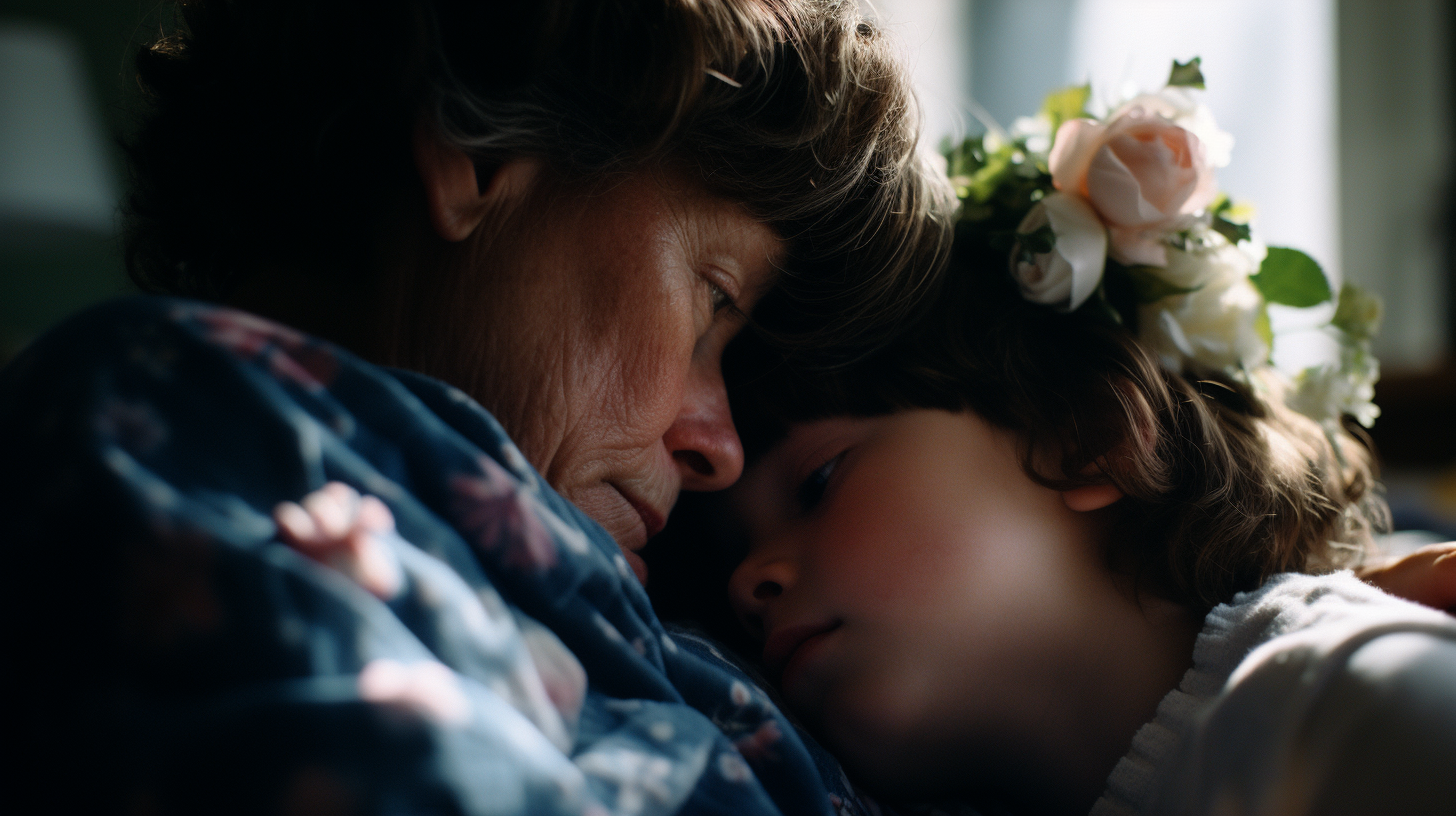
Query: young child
column 1015, row 560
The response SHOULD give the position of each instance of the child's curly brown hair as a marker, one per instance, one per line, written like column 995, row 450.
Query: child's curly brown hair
column 1224, row 485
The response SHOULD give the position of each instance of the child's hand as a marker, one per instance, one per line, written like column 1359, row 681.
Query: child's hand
column 517, row 658
column 336, row 526
column 1426, row 576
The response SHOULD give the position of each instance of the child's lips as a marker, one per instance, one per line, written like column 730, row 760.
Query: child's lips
column 785, row 643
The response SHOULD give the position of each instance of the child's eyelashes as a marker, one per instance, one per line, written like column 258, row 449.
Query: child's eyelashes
column 811, row 490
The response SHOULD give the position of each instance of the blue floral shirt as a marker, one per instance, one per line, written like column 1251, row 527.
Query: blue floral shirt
column 173, row 656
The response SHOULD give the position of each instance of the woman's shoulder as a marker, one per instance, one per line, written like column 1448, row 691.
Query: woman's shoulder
column 158, row 336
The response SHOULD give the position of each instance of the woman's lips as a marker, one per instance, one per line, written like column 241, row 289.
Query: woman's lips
column 652, row 520
column 652, row 523
column 788, row 646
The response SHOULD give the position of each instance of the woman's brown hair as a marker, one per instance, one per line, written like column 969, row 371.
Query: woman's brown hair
column 1224, row 485
column 278, row 133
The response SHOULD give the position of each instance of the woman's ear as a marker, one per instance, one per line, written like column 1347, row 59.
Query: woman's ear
column 458, row 195
column 1091, row 497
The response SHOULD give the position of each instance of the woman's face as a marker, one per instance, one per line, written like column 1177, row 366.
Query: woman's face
column 927, row 605
column 600, row 336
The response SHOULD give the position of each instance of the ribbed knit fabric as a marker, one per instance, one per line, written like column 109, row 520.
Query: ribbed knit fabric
column 1307, row 627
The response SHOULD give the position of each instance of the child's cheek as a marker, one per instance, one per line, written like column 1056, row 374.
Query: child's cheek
column 878, row 722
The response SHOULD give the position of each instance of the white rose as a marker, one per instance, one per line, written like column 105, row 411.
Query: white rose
column 1216, row 326
column 1067, row 275
column 1326, row 392
column 1207, row 255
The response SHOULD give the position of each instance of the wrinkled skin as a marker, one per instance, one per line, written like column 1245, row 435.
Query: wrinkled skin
column 590, row 316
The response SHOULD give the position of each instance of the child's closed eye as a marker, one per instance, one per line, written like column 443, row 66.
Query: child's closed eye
column 811, row 490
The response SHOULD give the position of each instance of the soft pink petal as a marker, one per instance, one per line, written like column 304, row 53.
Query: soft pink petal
column 1137, row 246
column 1160, row 157
column 1077, row 140
column 1116, row 194
column 1206, row 189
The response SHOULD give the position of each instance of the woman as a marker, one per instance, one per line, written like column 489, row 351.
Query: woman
column 562, row 210
column 425, row 171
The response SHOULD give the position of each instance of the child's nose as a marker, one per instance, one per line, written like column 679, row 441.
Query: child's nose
column 755, row 585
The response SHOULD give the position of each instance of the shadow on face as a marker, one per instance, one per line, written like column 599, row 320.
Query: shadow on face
column 590, row 317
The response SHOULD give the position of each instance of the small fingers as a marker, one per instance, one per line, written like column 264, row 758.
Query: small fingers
column 1426, row 576
column 334, row 509
column 375, row 516
column 1443, row 578
column 372, row 563
column 336, row 526
column 295, row 525
column 428, row 689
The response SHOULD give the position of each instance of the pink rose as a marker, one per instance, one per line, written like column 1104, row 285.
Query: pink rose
column 1143, row 174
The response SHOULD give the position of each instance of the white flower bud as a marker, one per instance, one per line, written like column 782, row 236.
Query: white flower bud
column 1067, row 275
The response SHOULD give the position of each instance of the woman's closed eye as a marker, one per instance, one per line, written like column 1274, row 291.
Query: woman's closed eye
column 722, row 292
column 720, row 299
column 811, row 490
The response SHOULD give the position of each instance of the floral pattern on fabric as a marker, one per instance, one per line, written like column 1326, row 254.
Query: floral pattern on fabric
column 195, row 663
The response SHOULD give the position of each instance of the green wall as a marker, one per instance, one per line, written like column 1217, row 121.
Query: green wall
column 40, row 285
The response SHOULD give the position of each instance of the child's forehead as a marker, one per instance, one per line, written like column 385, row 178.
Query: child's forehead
column 779, row 469
column 803, row 439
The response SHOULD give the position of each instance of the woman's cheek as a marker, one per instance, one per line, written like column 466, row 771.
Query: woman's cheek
column 650, row 374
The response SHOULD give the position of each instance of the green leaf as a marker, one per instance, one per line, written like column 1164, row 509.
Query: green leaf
column 974, row 212
column 1264, row 328
column 1291, row 278
column 1230, row 220
column 1358, row 313
column 1232, row 230
column 1066, row 103
column 982, row 184
column 965, row 158
column 1149, row 286
column 1101, row 306
column 1186, row 74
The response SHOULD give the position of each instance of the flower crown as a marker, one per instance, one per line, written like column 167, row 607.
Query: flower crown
column 1121, row 215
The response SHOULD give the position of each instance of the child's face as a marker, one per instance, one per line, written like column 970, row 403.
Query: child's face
column 928, row 606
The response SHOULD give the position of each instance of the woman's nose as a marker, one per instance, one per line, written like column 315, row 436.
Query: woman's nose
column 702, row 439
column 756, row 585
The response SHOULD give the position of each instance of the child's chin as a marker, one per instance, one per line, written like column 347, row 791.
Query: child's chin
column 893, row 782
column 891, row 764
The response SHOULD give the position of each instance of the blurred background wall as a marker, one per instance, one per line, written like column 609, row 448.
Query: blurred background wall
column 1342, row 112
column 1342, row 115
column 65, row 95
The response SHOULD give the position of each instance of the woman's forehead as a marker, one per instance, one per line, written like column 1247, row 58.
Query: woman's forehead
column 675, row 196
